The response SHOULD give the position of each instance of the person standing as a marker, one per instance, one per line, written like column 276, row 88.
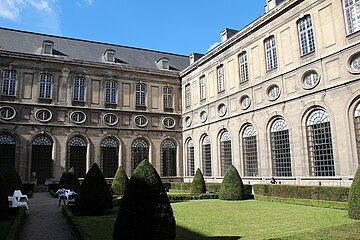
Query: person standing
column 61, row 195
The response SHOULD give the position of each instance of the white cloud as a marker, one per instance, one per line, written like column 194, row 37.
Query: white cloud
column 89, row 1
column 11, row 9
column 213, row 45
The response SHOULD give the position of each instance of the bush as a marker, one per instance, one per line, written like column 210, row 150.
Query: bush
column 12, row 181
column 72, row 181
column 94, row 196
column 232, row 187
column 198, row 183
column 354, row 196
column 145, row 211
column 4, row 205
column 180, row 186
column 120, row 182
column 339, row 194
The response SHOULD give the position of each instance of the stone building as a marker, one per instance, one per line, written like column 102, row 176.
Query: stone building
column 67, row 102
column 280, row 97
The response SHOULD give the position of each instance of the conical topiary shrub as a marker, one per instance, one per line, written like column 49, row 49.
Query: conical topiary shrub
column 354, row 196
column 12, row 181
column 232, row 187
column 4, row 205
column 72, row 181
column 145, row 211
column 94, row 196
column 120, row 182
column 63, row 178
column 198, row 183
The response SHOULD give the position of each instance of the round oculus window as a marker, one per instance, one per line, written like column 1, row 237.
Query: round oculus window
column 222, row 110
column 7, row 113
column 311, row 79
column 141, row 121
column 245, row 102
column 355, row 62
column 43, row 115
column 111, row 119
column 203, row 116
column 169, row 122
column 273, row 92
column 78, row 117
column 188, row 121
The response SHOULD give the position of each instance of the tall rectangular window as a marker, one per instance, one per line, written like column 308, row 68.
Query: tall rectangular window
column 271, row 54
column 79, row 88
column 306, row 35
column 202, row 88
column 168, row 97
column 352, row 15
column 244, row 68
column 140, row 94
column 9, row 83
column 110, row 92
column 221, row 78
column 45, row 87
column 187, row 95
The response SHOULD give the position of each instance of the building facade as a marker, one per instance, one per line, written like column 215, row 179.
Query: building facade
column 280, row 97
column 69, row 103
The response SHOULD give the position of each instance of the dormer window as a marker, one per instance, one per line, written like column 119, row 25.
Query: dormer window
column 109, row 55
column 48, row 47
column 163, row 63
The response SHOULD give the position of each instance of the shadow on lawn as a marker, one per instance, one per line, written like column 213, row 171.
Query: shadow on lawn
column 184, row 234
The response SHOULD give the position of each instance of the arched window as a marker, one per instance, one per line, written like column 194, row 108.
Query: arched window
column 168, row 158
column 190, row 158
column 206, row 156
column 7, row 152
column 77, row 148
column 109, row 157
column 357, row 129
column 271, row 53
column 321, row 159
column 225, row 152
column 280, row 149
column 250, row 152
column 41, row 158
column 139, row 152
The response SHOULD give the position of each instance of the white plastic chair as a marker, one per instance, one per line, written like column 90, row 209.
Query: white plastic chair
column 18, row 194
column 15, row 203
column 68, row 193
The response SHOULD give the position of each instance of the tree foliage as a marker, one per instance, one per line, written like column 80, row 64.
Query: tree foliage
column 232, row 187
column 72, row 181
column 145, row 211
column 120, row 181
column 94, row 196
column 4, row 205
column 354, row 196
column 12, row 181
column 198, row 183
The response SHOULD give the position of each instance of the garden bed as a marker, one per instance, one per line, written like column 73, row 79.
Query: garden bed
column 9, row 229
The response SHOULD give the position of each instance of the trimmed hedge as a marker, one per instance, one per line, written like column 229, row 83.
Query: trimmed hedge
column 210, row 187
column 63, row 178
column 304, row 202
column 338, row 194
column 198, row 183
column 232, row 187
column 4, row 205
column 187, row 197
column 354, row 197
column 94, row 196
column 12, row 181
column 145, row 211
column 120, row 182
column 72, row 181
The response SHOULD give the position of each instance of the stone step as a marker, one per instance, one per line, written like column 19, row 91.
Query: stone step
column 41, row 188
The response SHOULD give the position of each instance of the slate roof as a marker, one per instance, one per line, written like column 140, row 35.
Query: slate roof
column 83, row 50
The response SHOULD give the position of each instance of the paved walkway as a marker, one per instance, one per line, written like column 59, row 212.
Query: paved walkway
column 44, row 220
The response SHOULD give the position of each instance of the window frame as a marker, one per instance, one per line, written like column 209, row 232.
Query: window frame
column 140, row 94
column 220, row 71
column 10, row 83
column 306, row 35
column 188, row 95
column 45, row 84
column 271, row 53
column 79, row 89
column 168, row 97
column 350, row 29
column 243, row 67
column 111, row 92
column 202, row 85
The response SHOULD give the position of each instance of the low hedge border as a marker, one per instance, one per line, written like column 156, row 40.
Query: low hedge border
column 304, row 202
column 14, row 230
column 337, row 194
column 79, row 233
column 186, row 197
column 210, row 187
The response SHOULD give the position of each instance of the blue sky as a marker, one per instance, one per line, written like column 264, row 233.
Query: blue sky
column 176, row 26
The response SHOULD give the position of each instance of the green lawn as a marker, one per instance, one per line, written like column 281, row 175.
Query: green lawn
column 5, row 227
column 230, row 220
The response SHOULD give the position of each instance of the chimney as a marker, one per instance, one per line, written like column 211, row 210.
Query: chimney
column 194, row 57
column 227, row 33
